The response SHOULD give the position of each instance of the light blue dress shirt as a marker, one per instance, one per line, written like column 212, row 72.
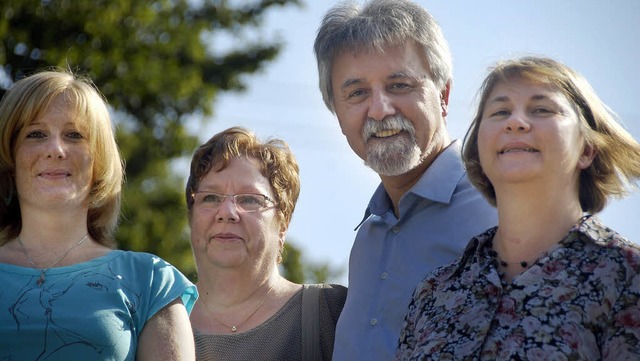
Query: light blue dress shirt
column 390, row 256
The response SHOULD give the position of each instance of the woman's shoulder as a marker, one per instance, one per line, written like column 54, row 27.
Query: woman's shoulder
column 331, row 290
column 145, row 265
column 609, row 242
column 134, row 259
column 334, row 295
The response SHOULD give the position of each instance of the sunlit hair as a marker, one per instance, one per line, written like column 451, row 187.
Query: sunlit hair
column 376, row 26
column 277, row 162
column 25, row 102
column 616, row 166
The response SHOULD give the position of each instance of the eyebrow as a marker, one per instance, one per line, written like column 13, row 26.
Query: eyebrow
column 401, row 74
column 504, row 98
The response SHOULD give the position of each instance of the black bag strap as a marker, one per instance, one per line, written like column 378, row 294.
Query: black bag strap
column 311, row 323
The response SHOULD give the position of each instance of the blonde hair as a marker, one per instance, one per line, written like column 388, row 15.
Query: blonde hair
column 277, row 162
column 27, row 100
column 616, row 165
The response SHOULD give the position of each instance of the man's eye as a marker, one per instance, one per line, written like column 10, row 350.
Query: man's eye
column 355, row 93
column 400, row 86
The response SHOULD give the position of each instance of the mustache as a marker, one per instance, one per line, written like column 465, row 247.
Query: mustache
column 395, row 122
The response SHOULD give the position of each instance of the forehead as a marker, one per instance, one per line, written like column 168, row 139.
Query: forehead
column 520, row 87
column 241, row 172
column 61, row 109
column 368, row 64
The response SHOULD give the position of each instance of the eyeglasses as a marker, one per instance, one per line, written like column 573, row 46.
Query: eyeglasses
column 245, row 202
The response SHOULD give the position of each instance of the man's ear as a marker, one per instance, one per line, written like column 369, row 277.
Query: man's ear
column 444, row 99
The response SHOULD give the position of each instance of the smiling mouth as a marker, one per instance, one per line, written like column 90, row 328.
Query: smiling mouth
column 386, row 133
column 518, row 150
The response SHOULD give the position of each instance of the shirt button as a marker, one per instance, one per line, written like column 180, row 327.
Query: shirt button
column 373, row 321
column 395, row 229
column 384, row 275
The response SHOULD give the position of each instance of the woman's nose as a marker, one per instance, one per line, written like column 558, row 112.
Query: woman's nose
column 56, row 148
column 228, row 211
column 517, row 123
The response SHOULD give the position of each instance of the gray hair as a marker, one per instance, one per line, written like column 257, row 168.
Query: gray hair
column 375, row 26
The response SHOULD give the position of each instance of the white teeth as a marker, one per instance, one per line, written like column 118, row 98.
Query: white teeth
column 386, row 133
column 510, row 150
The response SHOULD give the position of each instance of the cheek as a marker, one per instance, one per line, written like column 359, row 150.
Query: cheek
column 350, row 123
column 485, row 143
column 200, row 222
column 23, row 161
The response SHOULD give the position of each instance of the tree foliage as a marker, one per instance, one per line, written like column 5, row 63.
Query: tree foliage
column 158, row 64
column 299, row 270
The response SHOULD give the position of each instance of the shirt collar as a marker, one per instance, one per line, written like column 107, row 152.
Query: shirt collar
column 479, row 247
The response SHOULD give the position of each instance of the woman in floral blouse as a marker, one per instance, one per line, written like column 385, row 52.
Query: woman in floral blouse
column 551, row 282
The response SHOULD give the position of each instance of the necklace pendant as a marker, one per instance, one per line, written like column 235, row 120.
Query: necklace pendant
column 234, row 329
column 40, row 280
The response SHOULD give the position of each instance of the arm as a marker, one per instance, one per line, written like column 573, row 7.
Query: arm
column 167, row 335
column 621, row 340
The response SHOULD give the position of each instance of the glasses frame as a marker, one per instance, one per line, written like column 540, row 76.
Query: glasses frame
column 235, row 203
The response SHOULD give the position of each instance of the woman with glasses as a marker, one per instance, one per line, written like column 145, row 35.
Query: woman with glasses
column 240, row 195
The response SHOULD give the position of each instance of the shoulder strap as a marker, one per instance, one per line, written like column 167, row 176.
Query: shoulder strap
column 311, row 323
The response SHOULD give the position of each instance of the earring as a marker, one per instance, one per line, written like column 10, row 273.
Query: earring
column 280, row 252
column 8, row 199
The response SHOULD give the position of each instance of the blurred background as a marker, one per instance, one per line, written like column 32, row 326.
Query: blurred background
column 176, row 72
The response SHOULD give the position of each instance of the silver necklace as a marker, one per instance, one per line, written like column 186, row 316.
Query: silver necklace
column 234, row 328
column 41, row 280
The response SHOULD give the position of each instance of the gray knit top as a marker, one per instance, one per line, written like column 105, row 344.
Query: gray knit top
column 278, row 338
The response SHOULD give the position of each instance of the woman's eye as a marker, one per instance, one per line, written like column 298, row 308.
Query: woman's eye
column 500, row 113
column 75, row 135
column 542, row 110
column 212, row 198
column 35, row 134
column 248, row 199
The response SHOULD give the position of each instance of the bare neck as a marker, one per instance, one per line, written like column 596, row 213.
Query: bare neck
column 49, row 230
column 532, row 219
column 226, row 288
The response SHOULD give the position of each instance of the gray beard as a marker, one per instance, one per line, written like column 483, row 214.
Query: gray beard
column 391, row 157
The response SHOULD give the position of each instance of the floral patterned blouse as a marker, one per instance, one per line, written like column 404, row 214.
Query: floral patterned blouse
column 578, row 301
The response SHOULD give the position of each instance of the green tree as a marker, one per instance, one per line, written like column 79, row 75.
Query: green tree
column 296, row 269
column 158, row 63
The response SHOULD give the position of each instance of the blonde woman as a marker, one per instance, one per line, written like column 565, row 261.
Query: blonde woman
column 66, row 293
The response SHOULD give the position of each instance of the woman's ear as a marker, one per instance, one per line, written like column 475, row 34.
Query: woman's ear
column 588, row 155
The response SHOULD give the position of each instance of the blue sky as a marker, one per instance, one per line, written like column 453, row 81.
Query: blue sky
column 596, row 38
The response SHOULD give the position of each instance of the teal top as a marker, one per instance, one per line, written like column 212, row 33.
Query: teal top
column 88, row 311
